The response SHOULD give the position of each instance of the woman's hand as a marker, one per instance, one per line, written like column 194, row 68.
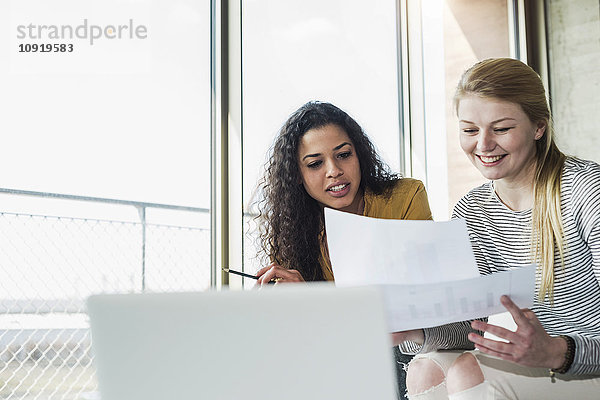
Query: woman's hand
column 529, row 345
column 415, row 335
column 278, row 274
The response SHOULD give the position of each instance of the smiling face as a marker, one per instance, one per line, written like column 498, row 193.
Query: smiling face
column 330, row 169
column 499, row 138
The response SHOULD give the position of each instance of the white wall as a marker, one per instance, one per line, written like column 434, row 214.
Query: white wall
column 574, row 60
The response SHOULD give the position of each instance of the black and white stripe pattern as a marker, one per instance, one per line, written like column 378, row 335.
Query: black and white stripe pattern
column 500, row 239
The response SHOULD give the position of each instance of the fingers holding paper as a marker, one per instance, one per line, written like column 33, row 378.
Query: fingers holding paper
column 530, row 345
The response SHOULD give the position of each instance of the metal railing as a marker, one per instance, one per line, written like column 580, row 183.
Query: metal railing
column 50, row 264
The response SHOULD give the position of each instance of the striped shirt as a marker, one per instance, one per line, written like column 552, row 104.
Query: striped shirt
column 500, row 239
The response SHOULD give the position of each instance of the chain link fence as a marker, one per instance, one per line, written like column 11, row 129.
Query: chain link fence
column 49, row 265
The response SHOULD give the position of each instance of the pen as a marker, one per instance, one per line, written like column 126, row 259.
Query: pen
column 232, row 271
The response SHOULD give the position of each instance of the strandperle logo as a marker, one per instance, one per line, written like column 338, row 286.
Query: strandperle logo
column 85, row 30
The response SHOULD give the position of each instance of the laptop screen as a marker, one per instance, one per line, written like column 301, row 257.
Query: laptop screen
column 311, row 341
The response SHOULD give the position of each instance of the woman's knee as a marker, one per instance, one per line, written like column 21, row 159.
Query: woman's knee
column 464, row 374
column 422, row 375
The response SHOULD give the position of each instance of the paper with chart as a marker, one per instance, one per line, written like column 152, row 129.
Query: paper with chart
column 426, row 269
column 433, row 304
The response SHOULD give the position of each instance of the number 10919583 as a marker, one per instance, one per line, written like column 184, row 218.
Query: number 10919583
column 45, row 48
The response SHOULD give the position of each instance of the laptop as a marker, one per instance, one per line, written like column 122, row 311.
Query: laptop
column 312, row 341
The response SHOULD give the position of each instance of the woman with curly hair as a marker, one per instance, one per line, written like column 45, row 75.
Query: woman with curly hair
column 322, row 158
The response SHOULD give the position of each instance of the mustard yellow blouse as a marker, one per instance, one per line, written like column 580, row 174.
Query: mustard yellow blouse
column 408, row 200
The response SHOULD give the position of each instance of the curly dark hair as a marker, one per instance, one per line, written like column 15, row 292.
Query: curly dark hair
column 290, row 220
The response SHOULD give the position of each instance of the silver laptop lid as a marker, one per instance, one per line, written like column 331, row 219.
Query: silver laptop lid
column 298, row 342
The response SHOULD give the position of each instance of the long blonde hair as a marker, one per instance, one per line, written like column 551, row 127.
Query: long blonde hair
column 511, row 80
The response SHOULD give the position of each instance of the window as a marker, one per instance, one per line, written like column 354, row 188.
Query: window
column 341, row 52
column 106, row 183
column 445, row 38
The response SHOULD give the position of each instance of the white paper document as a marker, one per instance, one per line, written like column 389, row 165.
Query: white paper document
column 365, row 251
column 433, row 304
column 426, row 270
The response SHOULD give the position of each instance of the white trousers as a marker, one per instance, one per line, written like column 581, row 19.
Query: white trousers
column 507, row 380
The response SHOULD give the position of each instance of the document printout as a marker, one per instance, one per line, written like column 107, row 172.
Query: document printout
column 426, row 269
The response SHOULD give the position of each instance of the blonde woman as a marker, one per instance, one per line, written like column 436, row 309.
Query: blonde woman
column 539, row 206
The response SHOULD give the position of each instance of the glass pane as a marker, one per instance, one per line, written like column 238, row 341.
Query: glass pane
column 101, row 99
column 455, row 35
column 296, row 51
column 473, row 31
